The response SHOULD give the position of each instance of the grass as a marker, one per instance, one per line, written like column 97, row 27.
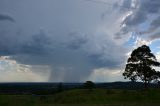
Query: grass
column 83, row 97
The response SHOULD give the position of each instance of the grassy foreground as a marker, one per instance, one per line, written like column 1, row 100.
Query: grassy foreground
column 81, row 97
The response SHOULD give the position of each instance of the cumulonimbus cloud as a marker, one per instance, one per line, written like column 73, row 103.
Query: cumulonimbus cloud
column 78, row 41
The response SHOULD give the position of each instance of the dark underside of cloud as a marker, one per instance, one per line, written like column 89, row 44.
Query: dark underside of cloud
column 4, row 17
column 71, row 60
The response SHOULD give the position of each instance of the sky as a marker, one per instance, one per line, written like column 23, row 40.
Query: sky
column 74, row 40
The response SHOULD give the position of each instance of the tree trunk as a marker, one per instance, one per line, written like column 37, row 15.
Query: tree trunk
column 146, row 85
column 145, row 82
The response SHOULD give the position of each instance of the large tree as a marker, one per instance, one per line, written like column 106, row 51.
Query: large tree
column 140, row 66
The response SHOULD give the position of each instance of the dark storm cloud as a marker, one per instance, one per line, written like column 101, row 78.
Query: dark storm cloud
column 16, row 44
column 37, row 44
column 76, row 40
column 71, row 60
column 7, row 43
column 87, row 54
column 4, row 17
column 74, row 46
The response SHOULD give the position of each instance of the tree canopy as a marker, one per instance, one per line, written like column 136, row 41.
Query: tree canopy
column 140, row 66
column 89, row 85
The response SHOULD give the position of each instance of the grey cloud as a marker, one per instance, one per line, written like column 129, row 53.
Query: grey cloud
column 135, row 19
column 4, row 17
column 80, row 63
column 155, row 36
column 155, row 24
column 68, row 63
column 37, row 44
column 150, row 6
column 102, row 47
column 126, row 5
column 7, row 43
column 74, row 45
column 76, row 40
column 140, row 14
column 15, row 44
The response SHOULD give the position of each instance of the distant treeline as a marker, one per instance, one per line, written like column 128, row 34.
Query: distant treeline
column 51, row 88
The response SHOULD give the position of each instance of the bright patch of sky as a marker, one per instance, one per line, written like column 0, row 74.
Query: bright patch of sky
column 11, row 71
column 155, row 46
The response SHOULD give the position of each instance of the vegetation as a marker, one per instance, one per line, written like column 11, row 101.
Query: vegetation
column 98, row 97
column 140, row 66
column 89, row 85
column 60, row 88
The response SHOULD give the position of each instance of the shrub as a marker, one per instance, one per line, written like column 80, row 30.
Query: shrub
column 89, row 85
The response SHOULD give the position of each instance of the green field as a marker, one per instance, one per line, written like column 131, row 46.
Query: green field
column 84, row 97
